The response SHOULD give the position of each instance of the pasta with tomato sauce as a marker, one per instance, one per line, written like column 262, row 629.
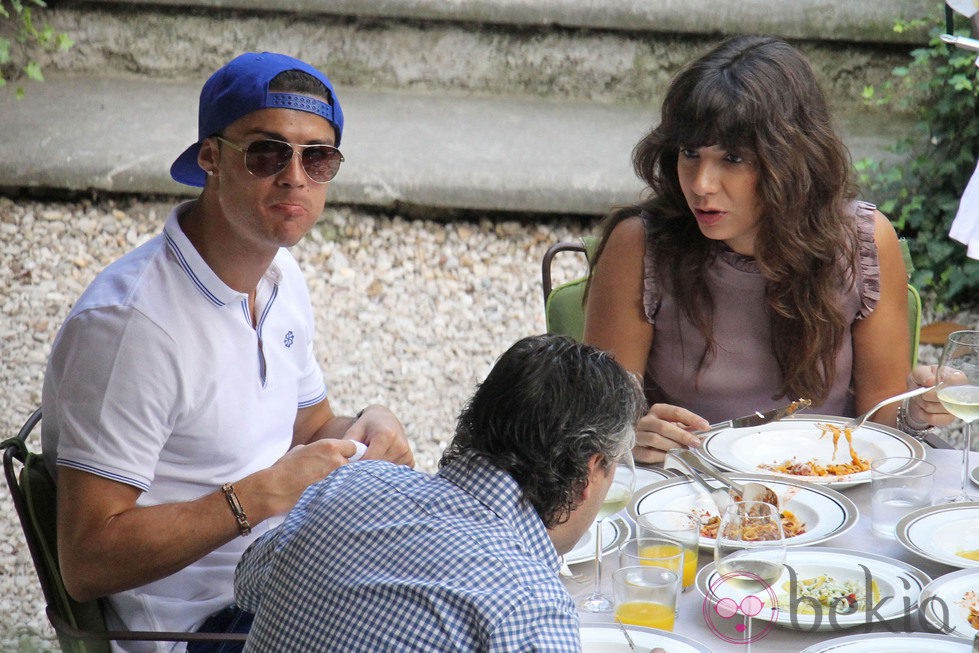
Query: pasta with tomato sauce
column 813, row 468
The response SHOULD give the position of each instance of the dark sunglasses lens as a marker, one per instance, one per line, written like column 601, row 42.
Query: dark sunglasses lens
column 321, row 162
column 267, row 158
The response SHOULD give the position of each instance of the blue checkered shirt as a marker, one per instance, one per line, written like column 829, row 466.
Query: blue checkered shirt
column 379, row 557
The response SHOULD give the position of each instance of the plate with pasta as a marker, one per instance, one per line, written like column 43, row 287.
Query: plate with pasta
column 811, row 448
column 950, row 603
column 810, row 513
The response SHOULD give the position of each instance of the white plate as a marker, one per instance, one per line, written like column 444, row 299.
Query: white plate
column 745, row 450
column 606, row 638
column 891, row 643
column 615, row 531
column 649, row 475
column 897, row 580
column 974, row 476
column 940, row 532
column 941, row 602
column 825, row 512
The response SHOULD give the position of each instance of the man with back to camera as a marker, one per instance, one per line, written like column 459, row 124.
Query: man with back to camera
column 467, row 559
column 183, row 401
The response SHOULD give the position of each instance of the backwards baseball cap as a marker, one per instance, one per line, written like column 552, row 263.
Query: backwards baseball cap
column 242, row 86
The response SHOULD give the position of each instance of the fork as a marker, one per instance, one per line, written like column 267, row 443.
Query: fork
column 858, row 421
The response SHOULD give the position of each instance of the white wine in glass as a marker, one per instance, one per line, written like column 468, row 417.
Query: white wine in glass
column 619, row 494
column 749, row 550
column 958, row 390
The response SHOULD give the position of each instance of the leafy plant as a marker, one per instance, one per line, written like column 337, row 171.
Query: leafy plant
column 20, row 37
column 921, row 192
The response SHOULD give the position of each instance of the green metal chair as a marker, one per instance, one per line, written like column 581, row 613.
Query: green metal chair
column 564, row 304
column 80, row 626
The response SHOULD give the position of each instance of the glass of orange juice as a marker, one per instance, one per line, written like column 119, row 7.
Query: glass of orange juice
column 646, row 596
column 681, row 527
column 652, row 552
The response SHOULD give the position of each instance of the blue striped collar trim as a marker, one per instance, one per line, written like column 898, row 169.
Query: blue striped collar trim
column 200, row 273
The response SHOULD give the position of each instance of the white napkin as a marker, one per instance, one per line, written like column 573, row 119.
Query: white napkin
column 965, row 227
column 361, row 450
column 965, row 7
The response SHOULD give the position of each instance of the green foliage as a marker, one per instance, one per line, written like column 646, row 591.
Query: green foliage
column 921, row 193
column 20, row 37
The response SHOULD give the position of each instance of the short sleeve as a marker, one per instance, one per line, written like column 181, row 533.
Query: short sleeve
column 111, row 390
column 651, row 295
column 868, row 262
column 540, row 623
column 252, row 572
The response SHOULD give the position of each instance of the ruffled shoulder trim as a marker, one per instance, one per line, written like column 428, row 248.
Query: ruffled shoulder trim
column 652, row 296
column 869, row 264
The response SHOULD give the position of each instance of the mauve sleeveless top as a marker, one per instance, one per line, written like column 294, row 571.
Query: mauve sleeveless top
column 743, row 376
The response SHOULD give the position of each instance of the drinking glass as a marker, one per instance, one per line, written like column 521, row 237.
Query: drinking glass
column 646, row 596
column 749, row 551
column 619, row 494
column 652, row 552
column 681, row 527
column 958, row 390
column 898, row 485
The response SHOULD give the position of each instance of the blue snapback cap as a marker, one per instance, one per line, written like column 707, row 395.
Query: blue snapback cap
column 242, row 86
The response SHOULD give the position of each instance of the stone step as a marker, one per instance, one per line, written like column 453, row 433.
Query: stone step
column 403, row 149
column 504, row 105
column 598, row 50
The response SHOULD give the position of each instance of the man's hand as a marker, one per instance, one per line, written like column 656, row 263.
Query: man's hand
column 382, row 432
column 300, row 467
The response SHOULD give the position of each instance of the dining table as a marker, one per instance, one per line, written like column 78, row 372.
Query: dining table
column 692, row 623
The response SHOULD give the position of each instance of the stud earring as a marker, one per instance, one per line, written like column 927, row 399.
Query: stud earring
column 210, row 173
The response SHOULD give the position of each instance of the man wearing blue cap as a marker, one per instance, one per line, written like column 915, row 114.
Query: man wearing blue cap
column 183, row 403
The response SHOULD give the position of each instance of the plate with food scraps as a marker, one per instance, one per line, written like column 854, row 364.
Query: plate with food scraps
column 891, row 643
column 948, row 533
column 950, row 603
column 809, row 448
column 608, row 638
column 810, row 513
column 615, row 531
column 822, row 588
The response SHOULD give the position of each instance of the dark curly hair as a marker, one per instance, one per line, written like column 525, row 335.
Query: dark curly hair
column 758, row 94
column 547, row 406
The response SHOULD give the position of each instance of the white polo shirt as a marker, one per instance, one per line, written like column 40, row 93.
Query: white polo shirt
column 158, row 379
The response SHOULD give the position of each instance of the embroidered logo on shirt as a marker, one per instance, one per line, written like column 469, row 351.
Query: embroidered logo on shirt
column 289, row 339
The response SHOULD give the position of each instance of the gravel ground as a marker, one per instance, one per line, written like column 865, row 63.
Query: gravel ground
column 411, row 313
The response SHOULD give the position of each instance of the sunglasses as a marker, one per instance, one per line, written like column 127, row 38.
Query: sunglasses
column 269, row 157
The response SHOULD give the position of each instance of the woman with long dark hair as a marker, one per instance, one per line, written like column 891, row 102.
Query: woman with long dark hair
column 752, row 275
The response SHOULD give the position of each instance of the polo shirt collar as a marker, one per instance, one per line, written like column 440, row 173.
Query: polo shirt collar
column 497, row 490
column 207, row 282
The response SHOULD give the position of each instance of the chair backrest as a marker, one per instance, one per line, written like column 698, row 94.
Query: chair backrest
column 35, row 498
column 80, row 626
column 564, row 304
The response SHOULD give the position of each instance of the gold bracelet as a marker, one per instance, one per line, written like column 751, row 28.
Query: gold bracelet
column 244, row 527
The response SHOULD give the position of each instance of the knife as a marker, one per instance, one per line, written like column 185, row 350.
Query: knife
column 757, row 419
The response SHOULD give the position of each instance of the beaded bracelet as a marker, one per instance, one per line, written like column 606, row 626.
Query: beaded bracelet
column 906, row 423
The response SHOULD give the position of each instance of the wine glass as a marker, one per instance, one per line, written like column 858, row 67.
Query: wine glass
column 958, row 390
column 749, row 550
column 619, row 494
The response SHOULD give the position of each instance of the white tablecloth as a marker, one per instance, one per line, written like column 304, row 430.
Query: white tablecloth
column 690, row 619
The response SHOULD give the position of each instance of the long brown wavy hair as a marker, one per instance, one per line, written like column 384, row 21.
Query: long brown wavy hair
column 758, row 94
